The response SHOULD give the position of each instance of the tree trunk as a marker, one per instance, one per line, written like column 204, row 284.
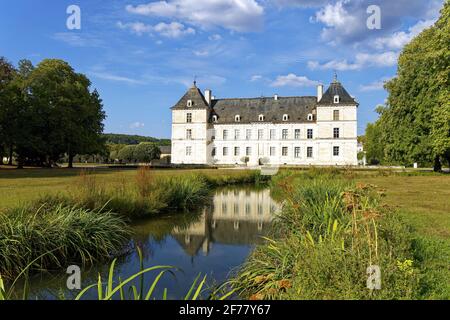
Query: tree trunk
column 70, row 161
column 437, row 164
column 20, row 161
column 10, row 162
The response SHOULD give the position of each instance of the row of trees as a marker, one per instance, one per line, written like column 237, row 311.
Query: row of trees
column 48, row 111
column 143, row 152
column 414, row 125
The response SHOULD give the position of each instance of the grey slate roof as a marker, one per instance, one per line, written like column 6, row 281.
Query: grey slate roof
column 336, row 89
column 196, row 96
column 273, row 110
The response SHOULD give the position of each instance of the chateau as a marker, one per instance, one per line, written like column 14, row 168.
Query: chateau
column 274, row 130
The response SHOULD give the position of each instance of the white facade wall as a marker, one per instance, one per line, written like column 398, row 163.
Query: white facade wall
column 209, row 138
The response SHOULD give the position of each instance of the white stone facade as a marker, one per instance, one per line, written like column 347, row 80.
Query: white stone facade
column 328, row 139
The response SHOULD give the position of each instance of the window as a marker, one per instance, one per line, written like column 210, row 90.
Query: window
column 297, row 152
column 248, row 209
column 189, row 103
column 213, row 134
column 310, row 117
column 260, row 151
column 272, row 151
column 297, row 134
column 225, row 134
column 224, row 208
column 336, row 99
column 237, row 134
column 188, row 151
column 273, row 133
column 214, row 118
column 248, row 134
column 236, row 151
column 189, row 117
column 189, row 134
column 237, row 118
column 336, row 115
column 336, row 151
column 336, row 133
column 261, row 117
column 248, row 151
column 309, row 152
column 285, row 117
column 260, row 134
column 225, row 151
column 213, row 152
column 310, row 134
column 284, row 151
column 285, row 134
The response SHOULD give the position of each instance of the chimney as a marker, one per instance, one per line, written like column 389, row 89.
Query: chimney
column 319, row 92
column 208, row 96
column 275, row 97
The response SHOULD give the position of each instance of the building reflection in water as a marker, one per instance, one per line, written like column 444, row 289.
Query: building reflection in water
column 234, row 217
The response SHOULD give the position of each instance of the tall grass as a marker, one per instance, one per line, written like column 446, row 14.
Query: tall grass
column 60, row 235
column 327, row 235
column 148, row 194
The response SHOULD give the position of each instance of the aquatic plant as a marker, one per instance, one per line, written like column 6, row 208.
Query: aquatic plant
column 59, row 235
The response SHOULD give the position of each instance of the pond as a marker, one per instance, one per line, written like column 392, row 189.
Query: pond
column 213, row 241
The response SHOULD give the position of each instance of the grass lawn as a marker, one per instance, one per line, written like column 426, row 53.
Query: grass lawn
column 424, row 201
column 21, row 186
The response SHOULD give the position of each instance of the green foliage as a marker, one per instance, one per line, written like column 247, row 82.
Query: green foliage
column 48, row 111
column 326, row 236
column 374, row 146
column 59, row 235
column 415, row 124
column 124, row 139
column 127, row 154
column 146, row 152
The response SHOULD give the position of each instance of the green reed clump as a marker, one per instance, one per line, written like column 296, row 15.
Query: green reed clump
column 327, row 235
column 60, row 234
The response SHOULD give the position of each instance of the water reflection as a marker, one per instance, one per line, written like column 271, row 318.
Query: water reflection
column 212, row 241
column 235, row 217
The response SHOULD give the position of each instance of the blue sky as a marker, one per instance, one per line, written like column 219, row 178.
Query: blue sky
column 143, row 55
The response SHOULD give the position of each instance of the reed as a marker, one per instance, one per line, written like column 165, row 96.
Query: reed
column 329, row 231
column 59, row 235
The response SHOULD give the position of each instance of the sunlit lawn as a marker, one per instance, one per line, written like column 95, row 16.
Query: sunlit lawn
column 424, row 200
column 21, row 186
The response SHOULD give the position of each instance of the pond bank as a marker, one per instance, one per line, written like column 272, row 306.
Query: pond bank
column 43, row 232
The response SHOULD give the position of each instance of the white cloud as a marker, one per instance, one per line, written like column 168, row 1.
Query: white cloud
column 236, row 15
column 215, row 37
column 345, row 20
column 78, row 40
column 113, row 77
column 293, row 80
column 399, row 39
column 137, row 125
column 362, row 60
column 169, row 30
column 256, row 77
column 374, row 86
column 201, row 53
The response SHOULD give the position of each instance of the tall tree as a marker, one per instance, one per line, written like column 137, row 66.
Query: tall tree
column 7, row 74
column 146, row 152
column 414, row 125
column 70, row 116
